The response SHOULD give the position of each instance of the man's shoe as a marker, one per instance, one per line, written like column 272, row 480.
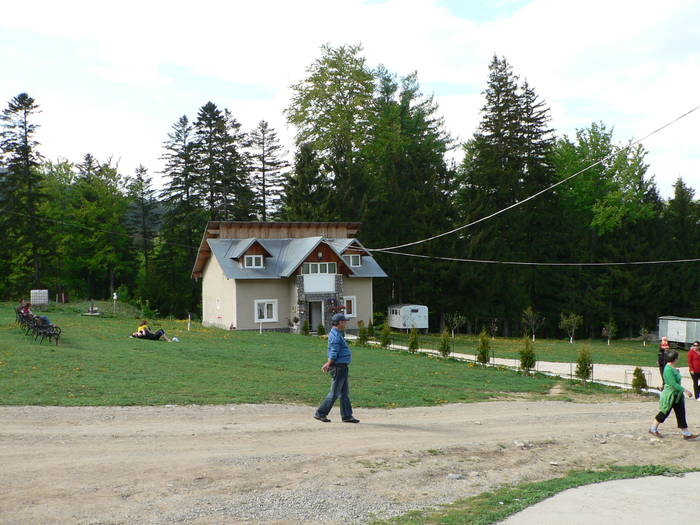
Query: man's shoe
column 690, row 437
column 351, row 420
column 655, row 433
column 322, row 419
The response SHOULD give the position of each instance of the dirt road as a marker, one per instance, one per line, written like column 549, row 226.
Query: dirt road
column 275, row 464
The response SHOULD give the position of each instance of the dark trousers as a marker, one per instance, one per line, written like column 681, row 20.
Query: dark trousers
column 661, row 369
column 340, row 388
column 679, row 409
column 696, row 378
column 154, row 337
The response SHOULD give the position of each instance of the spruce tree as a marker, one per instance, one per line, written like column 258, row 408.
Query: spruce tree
column 142, row 218
column 305, row 189
column 266, row 169
column 21, row 192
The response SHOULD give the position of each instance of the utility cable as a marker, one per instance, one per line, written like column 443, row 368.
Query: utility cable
column 525, row 263
column 518, row 203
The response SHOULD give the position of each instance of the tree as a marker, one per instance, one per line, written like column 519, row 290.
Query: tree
column 332, row 109
column 455, row 320
column 445, row 347
column 639, row 381
column 527, row 356
column 21, row 191
column 532, row 320
column 385, row 338
column 584, row 365
column 142, row 218
column 266, row 169
column 413, row 343
column 644, row 332
column 305, row 189
column 569, row 323
column 362, row 334
column 483, row 348
column 609, row 329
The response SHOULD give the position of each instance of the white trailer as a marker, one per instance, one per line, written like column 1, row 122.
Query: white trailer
column 407, row 316
column 680, row 331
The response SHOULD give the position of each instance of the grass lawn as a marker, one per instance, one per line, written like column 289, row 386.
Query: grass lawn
column 620, row 352
column 493, row 507
column 96, row 363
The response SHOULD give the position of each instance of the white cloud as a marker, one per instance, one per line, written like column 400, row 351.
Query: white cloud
column 631, row 64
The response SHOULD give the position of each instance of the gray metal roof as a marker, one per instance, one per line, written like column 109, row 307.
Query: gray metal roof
column 674, row 318
column 286, row 256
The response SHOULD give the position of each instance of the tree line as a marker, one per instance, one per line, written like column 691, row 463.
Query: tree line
column 370, row 147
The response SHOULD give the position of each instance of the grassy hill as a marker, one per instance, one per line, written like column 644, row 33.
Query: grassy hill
column 96, row 363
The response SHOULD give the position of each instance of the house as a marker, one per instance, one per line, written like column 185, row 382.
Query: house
column 276, row 275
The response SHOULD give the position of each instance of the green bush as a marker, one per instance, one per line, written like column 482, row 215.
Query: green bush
column 305, row 327
column 639, row 382
column 445, row 347
column 385, row 338
column 584, row 365
column 483, row 349
column 527, row 355
column 413, row 340
column 321, row 330
column 362, row 336
column 370, row 329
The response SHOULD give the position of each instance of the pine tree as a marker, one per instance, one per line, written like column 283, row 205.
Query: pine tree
column 142, row 218
column 266, row 169
column 305, row 189
column 21, row 191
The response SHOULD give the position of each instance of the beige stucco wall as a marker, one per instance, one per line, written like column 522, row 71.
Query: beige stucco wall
column 361, row 288
column 250, row 290
column 218, row 297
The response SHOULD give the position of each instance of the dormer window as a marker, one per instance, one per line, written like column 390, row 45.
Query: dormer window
column 253, row 261
column 354, row 260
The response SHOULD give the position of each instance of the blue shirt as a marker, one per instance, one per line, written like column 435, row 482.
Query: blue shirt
column 338, row 349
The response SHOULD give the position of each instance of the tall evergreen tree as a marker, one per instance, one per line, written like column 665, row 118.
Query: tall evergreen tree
column 142, row 218
column 267, row 166
column 21, row 191
column 305, row 189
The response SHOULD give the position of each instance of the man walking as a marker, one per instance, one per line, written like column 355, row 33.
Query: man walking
column 339, row 357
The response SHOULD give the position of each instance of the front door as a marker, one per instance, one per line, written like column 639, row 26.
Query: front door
column 315, row 314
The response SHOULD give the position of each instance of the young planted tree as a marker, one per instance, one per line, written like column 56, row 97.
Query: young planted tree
column 644, row 333
column 320, row 329
column 370, row 330
column 445, row 347
column 569, row 323
column 362, row 335
column 266, row 169
column 483, row 349
column 532, row 320
column 413, row 343
column 639, row 381
column 455, row 321
column 305, row 327
column 584, row 365
column 385, row 337
column 610, row 329
column 527, row 356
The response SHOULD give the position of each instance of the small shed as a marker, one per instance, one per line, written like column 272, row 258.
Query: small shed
column 681, row 331
column 407, row 316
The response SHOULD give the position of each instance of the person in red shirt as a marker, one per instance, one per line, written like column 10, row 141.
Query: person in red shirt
column 694, row 366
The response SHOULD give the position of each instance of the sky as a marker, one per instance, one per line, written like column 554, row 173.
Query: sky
column 113, row 77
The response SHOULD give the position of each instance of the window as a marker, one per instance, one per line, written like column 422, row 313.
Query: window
column 311, row 268
column 350, row 304
column 266, row 311
column 353, row 260
column 253, row 261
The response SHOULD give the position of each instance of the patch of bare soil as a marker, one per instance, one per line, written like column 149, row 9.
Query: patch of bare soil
column 276, row 464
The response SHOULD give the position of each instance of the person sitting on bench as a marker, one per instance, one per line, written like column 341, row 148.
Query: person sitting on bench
column 144, row 332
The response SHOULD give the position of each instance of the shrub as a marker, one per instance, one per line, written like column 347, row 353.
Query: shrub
column 445, row 347
column 370, row 329
column 483, row 348
column 639, row 382
column 305, row 327
column 321, row 330
column 584, row 365
column 385, row 338
column 413, row 340
column 527, row 356
column 362, row 336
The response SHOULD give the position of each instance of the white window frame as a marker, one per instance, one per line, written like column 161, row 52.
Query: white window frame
column 353, row 257
column 274, row 310
column 257, row 261
column 314, row 268
column 353, row 299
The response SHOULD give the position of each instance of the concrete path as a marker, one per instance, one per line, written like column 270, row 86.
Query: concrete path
column 653, row 500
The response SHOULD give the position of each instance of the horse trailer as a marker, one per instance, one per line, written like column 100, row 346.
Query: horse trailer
column 680, row 331
column 407, row 316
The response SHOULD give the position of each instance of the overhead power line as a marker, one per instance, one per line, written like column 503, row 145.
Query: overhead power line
column 526, row 263
column 519, row 203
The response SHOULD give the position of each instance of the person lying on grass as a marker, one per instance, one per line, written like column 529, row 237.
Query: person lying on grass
column 672, row 398
column 144, row 332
